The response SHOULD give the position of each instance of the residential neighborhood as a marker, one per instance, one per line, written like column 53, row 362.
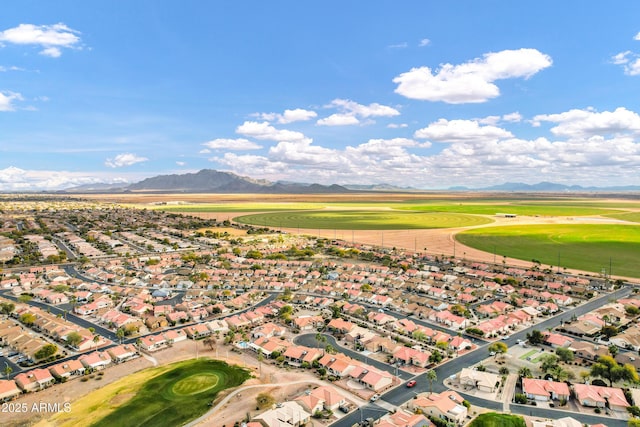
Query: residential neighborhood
column 105, row 286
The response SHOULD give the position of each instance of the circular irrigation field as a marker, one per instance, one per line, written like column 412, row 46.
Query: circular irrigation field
column 178, row 395
column 588, row 247
column 362, row 220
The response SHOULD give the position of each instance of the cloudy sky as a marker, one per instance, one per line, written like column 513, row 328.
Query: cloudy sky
column 415, row 93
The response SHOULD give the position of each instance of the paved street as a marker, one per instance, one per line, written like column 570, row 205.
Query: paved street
column 401, row 394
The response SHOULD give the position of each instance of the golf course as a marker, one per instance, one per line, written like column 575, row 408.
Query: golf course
column 169, row 396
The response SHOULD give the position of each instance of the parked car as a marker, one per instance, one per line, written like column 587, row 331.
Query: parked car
column 411, row 383
column 374, row 397
column 346, row 408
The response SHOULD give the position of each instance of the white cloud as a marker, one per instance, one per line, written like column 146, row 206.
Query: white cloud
column 338, row 120
column 621, row 58
column 514, row 117
column 181, row 164
column 399, row 45
column 461, row 131
column 52, row 52
column 586, row 123
column 397, row 125
column 124, row 159
column 16, row 179
column 633, row 68
column 371, row 110
column 265, row 131
column 204, row 151
column 51, row 37
column 351, row 111
column 238, row 144
column 7, row 99
column 288, row 116
column 637, row 37
column 424, row 42
column 471, row 82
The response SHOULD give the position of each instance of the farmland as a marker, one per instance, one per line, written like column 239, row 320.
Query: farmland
column 580, row 233
column 588, row 247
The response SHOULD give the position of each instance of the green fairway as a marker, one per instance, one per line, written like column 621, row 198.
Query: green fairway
column 528, row 209
column 178, row 395
column 362, row 220
column 589, row 247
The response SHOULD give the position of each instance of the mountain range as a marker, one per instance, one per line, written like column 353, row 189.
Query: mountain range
column 212, row 181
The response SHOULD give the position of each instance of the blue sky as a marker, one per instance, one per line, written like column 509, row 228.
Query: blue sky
column 417, row 93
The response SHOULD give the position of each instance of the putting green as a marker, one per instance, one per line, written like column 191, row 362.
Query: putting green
column 172, row 396
column 362, row 220
column 195, row 384
column 614, row 248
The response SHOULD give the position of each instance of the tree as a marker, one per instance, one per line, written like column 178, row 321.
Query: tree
column 607, row 368
column 96, row 340
column 609, row 331
column 210, row 342
column 120, row 334
column 585, row 375
column 498, row 347
column 613, row 350
column 28, row 318
column 7, row 370
column 525, row 372
column 73, row 339
column 548, row 362
column 24, row 298
column 535, row 337
column 632, row 310
column 564, row 354
column 436, row 357
column 7, row 307
column 46, row 351
column 431, row 377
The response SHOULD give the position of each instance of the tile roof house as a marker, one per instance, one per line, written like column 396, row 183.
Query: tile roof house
column 600, row 397
column 446, row 405
column 68, row 369
column 34, row 380
column 320, row 398
column 483, row 381
column 8, row 390
column 544, row 390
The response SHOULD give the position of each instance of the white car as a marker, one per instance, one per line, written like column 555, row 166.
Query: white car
column 374, row 397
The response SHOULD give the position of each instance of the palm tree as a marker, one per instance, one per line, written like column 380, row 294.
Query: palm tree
column 524, row 372
column 7, row 370
column 431, row 376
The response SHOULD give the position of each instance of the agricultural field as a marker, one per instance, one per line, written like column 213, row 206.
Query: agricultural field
column 434, row 221
column 588, row 247
column 166, row 396
column 362, row 220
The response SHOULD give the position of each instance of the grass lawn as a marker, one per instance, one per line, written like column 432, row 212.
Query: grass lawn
column 589, row 247
column 493, row 419
column 169, row 396
column 362, row 220
column 528, row 354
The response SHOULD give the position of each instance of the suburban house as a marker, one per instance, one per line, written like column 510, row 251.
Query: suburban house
column 411, row 356
column 95, row 360
column 68, row 369
column 543, row 390
column 320, row 398
column 34, row 380
column 402, row 418
column 446, row 405
column 483, row 381
column 285, row 414
column 8, row 390
column 601, row 397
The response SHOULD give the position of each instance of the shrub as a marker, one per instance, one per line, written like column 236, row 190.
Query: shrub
column 520, row 398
